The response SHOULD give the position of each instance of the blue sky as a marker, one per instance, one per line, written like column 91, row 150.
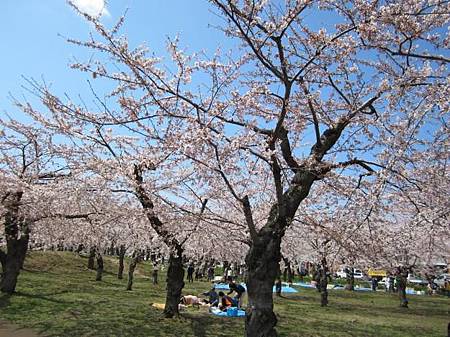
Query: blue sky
column 31, row 34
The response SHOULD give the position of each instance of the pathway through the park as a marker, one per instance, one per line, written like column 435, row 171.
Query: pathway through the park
column 11, row 330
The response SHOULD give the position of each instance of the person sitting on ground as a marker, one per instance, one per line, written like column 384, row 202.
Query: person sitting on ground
column 225, row 301
column 239, row 289
column 190, row 300
column 213, row 297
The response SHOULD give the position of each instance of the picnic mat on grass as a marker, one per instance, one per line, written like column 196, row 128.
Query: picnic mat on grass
column 216, row 311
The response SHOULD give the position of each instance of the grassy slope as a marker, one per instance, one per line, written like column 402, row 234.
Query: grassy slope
column 58, row 296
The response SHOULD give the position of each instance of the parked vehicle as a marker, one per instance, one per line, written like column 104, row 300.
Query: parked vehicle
column 441, row 267
column 413, row 279
column 443, row 281
column 357, row 273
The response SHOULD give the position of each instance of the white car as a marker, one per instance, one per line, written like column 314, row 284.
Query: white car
column 416, row 280
column 441, row 280
column 357, row 273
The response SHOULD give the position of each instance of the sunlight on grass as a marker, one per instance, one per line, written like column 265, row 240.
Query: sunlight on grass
column 57, row 296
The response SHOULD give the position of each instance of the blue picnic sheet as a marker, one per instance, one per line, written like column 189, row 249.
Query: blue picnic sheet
column 216, row 311
column 362, row 289
column 284, row 289
column 221, row 286
column 304, row 285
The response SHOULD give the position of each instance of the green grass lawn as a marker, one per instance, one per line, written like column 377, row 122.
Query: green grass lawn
column 58, row 296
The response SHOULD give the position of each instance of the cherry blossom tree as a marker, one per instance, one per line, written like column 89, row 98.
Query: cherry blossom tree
column 295, row 107
column 30, row 170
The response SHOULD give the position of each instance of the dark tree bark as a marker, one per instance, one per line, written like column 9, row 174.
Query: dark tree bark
column 350, row 279
column 263, row 264
column 402, row 276
column 175, row 282
column 131, row 268
column 175, row 272
column 99, row 267
column 122, row 251
column 17, row 237
column 2, row 260
column 323, row 283
column 91, row 259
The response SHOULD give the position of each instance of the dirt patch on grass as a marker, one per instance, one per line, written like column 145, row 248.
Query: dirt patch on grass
column 11, row 330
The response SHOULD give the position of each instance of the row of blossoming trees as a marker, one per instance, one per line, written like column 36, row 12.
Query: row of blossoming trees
column 317, row 141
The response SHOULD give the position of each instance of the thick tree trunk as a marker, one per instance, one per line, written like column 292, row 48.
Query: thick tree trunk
column 91, row 260
column 323, row 283
column 175, row 282
column 131, row 269
column 17, row 249
column 17, row 236
column 2, row 261
column 262, row 261
column 99, row 267
column 350, row 280
column 324, row 295
column 401, row 284
column 121, row 258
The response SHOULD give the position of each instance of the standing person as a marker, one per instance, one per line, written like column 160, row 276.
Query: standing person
column 198, row 274
column 155, row 274
column 374, row 284
column 239, row 290
column 190, row 273
column 210, row 273
column 278, row 287
column 391, row 283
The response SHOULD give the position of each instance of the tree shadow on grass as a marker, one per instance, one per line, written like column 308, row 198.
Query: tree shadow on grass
column 202, row 324
column 5, row 300
column 45, row 296
column 198, row 324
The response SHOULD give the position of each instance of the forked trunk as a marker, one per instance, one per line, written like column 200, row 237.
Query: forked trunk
column 263, row 263
column 131, row 269
column 121, row 258
column 91, row 260
column 99, row 267
column 175, row 283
